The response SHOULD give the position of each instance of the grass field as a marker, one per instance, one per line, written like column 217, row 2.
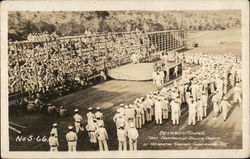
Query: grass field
column 110, row 94
column 223, row 41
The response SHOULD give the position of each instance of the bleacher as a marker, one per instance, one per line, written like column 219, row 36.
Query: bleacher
column 40, row 66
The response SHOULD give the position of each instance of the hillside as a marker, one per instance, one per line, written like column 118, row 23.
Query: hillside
column 73, row 23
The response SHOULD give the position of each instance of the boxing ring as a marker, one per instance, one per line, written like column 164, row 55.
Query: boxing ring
column 135, row 72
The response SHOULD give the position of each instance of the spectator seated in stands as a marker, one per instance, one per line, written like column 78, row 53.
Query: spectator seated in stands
column 54, row 66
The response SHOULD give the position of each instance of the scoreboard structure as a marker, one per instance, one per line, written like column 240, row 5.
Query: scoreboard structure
column 168, row 40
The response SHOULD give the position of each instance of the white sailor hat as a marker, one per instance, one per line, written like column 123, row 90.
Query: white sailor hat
column 55, row 124
column 90, row 108
column 70, row 127
column 76, row 110
column 121, row 105
column 98, row 108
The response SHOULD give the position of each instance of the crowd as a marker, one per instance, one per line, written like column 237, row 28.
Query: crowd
column 53, row 67
column 214, row 78
column 45, row 36
column 168, row 68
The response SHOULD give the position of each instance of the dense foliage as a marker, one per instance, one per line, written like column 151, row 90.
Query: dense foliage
column 74, row 23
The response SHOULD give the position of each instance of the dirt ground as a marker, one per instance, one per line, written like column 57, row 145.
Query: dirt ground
column 108, row 95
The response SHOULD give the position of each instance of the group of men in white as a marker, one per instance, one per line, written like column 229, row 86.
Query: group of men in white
column 161, row 74
column 96, row 133
column 215, row 76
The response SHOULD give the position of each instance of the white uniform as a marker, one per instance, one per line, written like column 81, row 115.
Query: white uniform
column 121, row 110
column 215, row 105
column 99, row 118
column 71, row 137
column 130, row 115
column 138, row 120
column 167, row 73
column 102, row 138
column 174, row 112
column 194, row 88
column 219, row 85
column 225, row 107
column 176, row 71
column 158, row 80
column 119, row 120
column 236, row 94
column 204, row 99
column 133, row 135
column 162, row 76
column 165, row 106
column 158, row 112
column 191, row 112
column 91, row 128
column 142, row 110
column 78, row 119
column 54, row 131
column 122, row 139
column 90, row 117
column 225, row 83
column 53, row 143
column 199, row 110
column 181, row 90
column 148, row 109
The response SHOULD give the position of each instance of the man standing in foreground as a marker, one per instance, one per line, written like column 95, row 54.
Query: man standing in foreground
column 53, row 142
column 78, row 119
column 204, row 99
column 71, row 137
column 102, row 137
column 99, row 116
column 236, row 93
column 225, row 107
column 122, row 138
column 90, row 115
column 215, row 101
column 132, row 135
column 191, row 112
